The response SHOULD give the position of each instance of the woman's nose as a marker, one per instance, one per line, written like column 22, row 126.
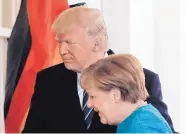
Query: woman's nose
column 90, row 103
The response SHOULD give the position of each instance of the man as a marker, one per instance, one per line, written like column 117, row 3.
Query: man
column 59, row 103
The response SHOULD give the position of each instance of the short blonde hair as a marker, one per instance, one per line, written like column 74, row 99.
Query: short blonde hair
column 90, row 19
column 123, row 72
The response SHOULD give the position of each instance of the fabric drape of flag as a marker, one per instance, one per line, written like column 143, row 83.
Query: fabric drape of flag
column 31, row 48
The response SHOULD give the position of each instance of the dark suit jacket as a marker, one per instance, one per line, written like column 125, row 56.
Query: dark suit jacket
column 55, row 105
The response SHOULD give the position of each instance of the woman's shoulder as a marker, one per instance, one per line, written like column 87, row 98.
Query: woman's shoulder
column 144, row 119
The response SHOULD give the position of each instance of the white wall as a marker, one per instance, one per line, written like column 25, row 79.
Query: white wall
column 150, row 30
column 141, row 31
column 182, row 65
column 130, row 26
column 111, row 17
column 116, row 13
column 167, row 53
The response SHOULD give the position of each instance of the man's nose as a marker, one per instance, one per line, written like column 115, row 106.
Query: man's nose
column 63, row 48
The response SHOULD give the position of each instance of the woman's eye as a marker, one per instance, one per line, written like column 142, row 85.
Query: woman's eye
column 92, row 97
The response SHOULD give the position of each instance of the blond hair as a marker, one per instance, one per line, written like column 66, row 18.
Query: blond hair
column 90, row 19
column 123, row 72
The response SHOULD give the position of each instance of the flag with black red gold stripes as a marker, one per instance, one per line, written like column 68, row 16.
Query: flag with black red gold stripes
column 31, row 48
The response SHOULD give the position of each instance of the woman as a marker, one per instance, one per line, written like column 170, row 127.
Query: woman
column 116, row 89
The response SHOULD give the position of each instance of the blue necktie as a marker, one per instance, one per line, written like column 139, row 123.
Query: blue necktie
column 88, row 112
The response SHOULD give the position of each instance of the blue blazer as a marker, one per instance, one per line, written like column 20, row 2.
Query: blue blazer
column 145, row 119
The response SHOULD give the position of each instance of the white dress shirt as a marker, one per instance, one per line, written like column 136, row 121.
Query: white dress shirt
column 80, row 90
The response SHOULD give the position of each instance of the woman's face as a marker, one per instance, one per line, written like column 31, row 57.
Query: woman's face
column 104, row 103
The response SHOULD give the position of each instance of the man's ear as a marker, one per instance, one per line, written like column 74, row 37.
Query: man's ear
column 97, row 44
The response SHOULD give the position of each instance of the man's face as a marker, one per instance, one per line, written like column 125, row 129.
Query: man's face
column 75, row 49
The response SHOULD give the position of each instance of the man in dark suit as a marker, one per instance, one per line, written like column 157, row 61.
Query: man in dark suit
column 57, row 103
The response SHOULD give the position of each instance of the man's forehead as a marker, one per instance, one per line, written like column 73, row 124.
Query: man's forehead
column 63, row 36
column 70, row 32
column 60, row 35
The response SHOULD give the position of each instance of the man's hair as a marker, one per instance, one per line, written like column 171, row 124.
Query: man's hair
column 122, row 72
column 90, row 19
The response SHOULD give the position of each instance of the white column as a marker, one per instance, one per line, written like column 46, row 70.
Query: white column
column 167, row 53
column 116, row 13
column 142, row 31
column 182, row 116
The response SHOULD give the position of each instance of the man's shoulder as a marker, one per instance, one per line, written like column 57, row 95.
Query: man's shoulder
column 149, row 72
column 150, row 78
column 57, row 74
column 55, row 70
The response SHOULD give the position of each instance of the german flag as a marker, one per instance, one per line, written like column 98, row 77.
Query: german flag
column 31, row 48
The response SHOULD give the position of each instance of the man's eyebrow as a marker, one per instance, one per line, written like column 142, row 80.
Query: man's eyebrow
column 58, row 37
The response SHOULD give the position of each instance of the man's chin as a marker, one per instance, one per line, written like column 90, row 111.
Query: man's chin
column 68, row 66
column 71, row 67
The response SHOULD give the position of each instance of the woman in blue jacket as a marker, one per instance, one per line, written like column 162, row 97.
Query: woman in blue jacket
column 116, row 89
